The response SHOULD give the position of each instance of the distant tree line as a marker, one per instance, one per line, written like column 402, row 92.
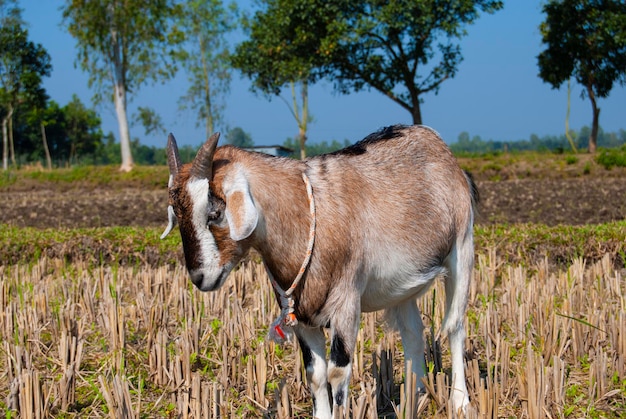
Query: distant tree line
column 554, row 143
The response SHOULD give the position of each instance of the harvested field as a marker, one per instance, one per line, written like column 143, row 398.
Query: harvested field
column 98, row 317
column 138, row 342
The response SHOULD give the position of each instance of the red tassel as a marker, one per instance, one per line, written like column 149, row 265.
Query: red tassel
column 279, row 331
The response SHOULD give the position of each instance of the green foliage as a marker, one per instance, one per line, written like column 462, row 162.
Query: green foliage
column 284, row 48
column 150, row 120
column 23, row 64
column 122, row 46
column 389, row 46
column 585, row 39
column 73, row 132
column 205, row 58
column 82, row 128
column 137, row 39
column 284, row 43
column 239, row 138
column 402, row 48
column 610, row 158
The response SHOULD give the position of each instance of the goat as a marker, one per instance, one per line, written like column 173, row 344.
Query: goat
column 391, row 213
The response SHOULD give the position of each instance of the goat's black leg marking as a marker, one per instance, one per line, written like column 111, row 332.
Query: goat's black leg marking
column 307, row 358
column 343, row 338
column 338, row 353
column 340, row 367
column 339, row 397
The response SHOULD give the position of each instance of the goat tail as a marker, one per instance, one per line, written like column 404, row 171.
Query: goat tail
column 474, row 194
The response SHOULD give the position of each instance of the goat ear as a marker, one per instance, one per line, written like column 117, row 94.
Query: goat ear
column 241, row 214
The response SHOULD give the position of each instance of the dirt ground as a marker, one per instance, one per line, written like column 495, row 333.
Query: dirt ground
column 578, row 200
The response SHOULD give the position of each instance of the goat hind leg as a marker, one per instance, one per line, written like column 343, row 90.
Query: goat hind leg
column 460, row 265
column 406, row 317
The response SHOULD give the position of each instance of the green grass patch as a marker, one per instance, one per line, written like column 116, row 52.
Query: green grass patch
column 518, row 243
column 527, row 243
column 612, row 157
column 140, row 176
column 124, row 245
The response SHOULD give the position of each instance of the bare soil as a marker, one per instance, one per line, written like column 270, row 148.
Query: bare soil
column 572, row 201
column 550, row 201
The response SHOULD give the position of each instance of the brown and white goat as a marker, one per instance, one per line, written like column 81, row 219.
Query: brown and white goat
column 392, row 213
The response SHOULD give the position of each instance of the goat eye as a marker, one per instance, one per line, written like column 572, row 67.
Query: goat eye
column 214, row 214
column 214, row 211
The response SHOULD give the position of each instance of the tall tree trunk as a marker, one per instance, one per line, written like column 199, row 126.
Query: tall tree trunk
column 593, row 137
column 5, row 138
column 568, row 135
column 302, row 138
column 209, row 124
column 416, row 112
column 122, row 122
column 119, row 83
column 305, row 118
column 44, row 138
column 11, row 142
column 5, row 143
column 301, row 119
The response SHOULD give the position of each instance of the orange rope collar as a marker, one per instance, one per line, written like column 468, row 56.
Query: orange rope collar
column 281, row 329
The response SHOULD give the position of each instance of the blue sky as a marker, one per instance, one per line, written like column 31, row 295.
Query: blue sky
column 496, row 93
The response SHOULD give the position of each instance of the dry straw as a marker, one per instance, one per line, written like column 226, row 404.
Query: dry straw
column 137, row 341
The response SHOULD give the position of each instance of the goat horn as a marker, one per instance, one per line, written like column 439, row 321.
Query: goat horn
column 173, row 158
column 202, row 167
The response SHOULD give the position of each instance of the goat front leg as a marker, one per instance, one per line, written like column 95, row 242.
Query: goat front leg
column 313, row 347
column 344, row 330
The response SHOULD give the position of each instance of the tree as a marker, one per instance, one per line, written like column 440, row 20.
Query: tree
column 239, row 138
column 389, row 46
column 123, row 44
column 22, row 66
column 38, row 116
column 283, row 49
column 38, row 129
column 402, row 48
column 82, row 128
column 205, row 58
column 585, row 39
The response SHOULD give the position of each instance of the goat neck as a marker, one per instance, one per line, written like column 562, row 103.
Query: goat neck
column 280, row 197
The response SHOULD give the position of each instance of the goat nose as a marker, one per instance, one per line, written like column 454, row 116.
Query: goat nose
column 197, row 277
